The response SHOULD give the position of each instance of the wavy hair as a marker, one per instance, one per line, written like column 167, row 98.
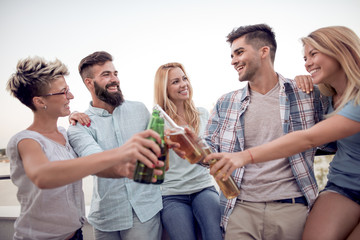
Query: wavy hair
column 342, row 44
column 33, row 77
column 161, row 96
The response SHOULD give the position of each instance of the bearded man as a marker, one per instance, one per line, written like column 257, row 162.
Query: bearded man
column 120, row 208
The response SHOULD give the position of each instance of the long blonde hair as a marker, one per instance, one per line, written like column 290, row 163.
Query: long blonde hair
column 161, row 96
column 342, row 44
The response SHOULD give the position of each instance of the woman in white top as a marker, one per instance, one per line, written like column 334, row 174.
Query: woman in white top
column 189, row 196
column 42, row 163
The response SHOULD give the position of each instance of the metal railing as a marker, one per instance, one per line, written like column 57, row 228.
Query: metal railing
column 4, row 177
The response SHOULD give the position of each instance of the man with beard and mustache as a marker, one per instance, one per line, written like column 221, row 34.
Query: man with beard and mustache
column 120, row 208
column 275, row 196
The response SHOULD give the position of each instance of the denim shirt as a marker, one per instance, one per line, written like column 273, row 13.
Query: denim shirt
column 298, row 110
column 114, row 200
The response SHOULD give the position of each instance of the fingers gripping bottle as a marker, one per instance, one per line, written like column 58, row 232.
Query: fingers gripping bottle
column 228, row 187
column 187, row 144
column 144, row 174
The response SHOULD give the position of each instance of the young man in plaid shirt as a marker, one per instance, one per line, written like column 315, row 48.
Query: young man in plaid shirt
column 275, row 196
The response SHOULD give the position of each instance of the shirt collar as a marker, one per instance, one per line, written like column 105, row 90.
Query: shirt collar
column 98, row 111
column 246, row 93
column 283, row 83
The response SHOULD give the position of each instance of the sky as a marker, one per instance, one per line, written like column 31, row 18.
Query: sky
column 142, row 35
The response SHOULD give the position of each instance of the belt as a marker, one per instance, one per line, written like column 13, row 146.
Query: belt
column 301, row 200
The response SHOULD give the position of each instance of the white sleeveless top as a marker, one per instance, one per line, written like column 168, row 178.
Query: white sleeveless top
column 45, row 213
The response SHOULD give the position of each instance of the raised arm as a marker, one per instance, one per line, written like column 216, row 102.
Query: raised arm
column 331, row 129
column 51, row 174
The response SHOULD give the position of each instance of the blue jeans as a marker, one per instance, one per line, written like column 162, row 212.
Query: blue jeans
column 351, row 194
column 180, row 212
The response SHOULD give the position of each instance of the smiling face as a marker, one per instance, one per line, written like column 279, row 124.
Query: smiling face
column 58, row 104
column 245, row 58
column 322, row 68
column 177, row 86
column 107, row 84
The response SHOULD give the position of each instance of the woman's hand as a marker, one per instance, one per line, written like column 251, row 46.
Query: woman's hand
column 173, row 145
column 82, row 118
column 305, row 83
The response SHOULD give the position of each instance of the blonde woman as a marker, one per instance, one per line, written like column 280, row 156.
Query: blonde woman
column 332, row 57
column 44, row 166
column 189, row 195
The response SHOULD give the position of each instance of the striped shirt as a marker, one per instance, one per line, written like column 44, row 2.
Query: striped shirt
column 298, row 111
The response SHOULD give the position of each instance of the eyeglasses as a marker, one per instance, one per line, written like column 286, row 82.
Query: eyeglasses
column 66, row 92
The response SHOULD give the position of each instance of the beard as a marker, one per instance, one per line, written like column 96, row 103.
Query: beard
column 113, row 99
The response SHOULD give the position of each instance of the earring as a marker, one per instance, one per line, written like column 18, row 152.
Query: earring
column 45, row 107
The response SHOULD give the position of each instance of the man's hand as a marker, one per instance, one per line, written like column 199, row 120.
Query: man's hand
column 138, row 148
column 226, row 164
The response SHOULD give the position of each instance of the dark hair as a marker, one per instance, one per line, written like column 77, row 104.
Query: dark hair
column 33, row 77
column 96, row 58
column 258, row 35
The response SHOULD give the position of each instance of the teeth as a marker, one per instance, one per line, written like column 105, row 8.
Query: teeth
column 314, row 71
column 239, row 68
column 112, row 88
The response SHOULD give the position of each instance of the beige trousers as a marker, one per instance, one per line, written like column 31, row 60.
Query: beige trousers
column 266, row 221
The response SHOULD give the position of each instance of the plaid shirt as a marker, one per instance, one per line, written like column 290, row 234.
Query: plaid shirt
column 298, row 110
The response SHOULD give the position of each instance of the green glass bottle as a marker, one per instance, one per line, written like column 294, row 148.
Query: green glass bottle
column 164, row 153
column 144, row 174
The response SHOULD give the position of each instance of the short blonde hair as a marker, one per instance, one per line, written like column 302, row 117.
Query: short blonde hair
column 161, row 96
column 33, row 78
column 342, row 44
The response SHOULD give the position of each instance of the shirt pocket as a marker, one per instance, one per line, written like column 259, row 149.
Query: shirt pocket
column 228, row 134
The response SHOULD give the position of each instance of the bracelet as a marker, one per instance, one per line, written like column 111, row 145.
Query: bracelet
column 252, row 159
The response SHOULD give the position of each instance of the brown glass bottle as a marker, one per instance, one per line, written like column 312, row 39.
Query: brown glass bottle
column 193, row 152
column 228, row 187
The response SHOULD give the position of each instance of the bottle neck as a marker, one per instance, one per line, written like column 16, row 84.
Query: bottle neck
column 167, row 117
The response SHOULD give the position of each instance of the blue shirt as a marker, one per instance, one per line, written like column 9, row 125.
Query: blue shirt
column 113, row 199
column 344, row 169
column 298, row 111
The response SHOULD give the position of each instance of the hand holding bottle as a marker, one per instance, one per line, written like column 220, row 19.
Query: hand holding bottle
column 139, row 148
column 227, row 185
column 143, row 173
column 186, row 139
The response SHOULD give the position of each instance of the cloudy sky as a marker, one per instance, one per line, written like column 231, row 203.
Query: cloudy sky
column 143, row 34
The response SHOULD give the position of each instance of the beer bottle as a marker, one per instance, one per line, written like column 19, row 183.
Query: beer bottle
column 229, row 187
column 164, row 154
column 188, row 145
column 144, row 174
